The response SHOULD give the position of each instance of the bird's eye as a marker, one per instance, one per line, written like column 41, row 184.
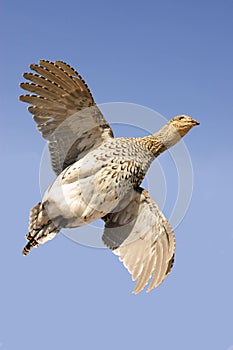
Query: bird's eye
column 180, row 118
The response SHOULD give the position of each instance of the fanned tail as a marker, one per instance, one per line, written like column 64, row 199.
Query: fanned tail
column 41, row 228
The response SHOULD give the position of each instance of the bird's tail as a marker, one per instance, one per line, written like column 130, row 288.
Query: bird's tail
column 41, row 228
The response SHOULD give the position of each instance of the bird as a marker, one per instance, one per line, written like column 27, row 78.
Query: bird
column 99, row 176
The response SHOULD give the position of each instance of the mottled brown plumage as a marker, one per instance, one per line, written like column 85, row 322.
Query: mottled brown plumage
column 99, row 176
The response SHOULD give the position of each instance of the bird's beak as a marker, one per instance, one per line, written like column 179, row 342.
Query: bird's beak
column 195, row 122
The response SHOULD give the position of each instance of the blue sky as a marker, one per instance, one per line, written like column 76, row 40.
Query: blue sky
column 174, row 57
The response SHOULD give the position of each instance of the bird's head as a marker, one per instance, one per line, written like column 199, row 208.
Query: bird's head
column 183, row 123
column 171, row 133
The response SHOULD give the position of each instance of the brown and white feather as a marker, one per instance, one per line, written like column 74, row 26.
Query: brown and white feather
column 99, row 175
column 65, row 112
column 143, row 239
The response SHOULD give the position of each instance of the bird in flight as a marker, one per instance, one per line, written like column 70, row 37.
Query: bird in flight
column 99, row 176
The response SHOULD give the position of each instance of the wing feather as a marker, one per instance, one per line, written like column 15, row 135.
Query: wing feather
column 42, row 81
column 158, row 268
column 40, row 90
column 51, row 75
column 146, row 273
column 145, row 244
column 65, row 112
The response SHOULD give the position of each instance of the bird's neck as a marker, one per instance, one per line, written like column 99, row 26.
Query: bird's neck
column 163, row 139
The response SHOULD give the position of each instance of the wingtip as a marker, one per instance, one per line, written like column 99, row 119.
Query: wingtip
column 45, row 61
column 33, row 65
column 135, row 291
column 21, row 98
column 26, row 74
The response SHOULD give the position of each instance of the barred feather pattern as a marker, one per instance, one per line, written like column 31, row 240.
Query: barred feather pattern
column 41, row 228
column 65, row 112
column 99, row 175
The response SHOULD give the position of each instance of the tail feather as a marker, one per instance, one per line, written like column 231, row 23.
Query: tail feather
column 41, row 228
column 29, row 246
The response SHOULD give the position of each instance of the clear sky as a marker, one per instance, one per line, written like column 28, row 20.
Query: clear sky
column 171, row 56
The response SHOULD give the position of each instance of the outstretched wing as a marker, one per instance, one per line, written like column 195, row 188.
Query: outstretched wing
column 143, row 239
column 65, row 112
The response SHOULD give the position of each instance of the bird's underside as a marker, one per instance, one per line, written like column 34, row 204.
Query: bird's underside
column 98, row 176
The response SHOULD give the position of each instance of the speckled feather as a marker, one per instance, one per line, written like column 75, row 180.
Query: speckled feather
column 99, row 176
